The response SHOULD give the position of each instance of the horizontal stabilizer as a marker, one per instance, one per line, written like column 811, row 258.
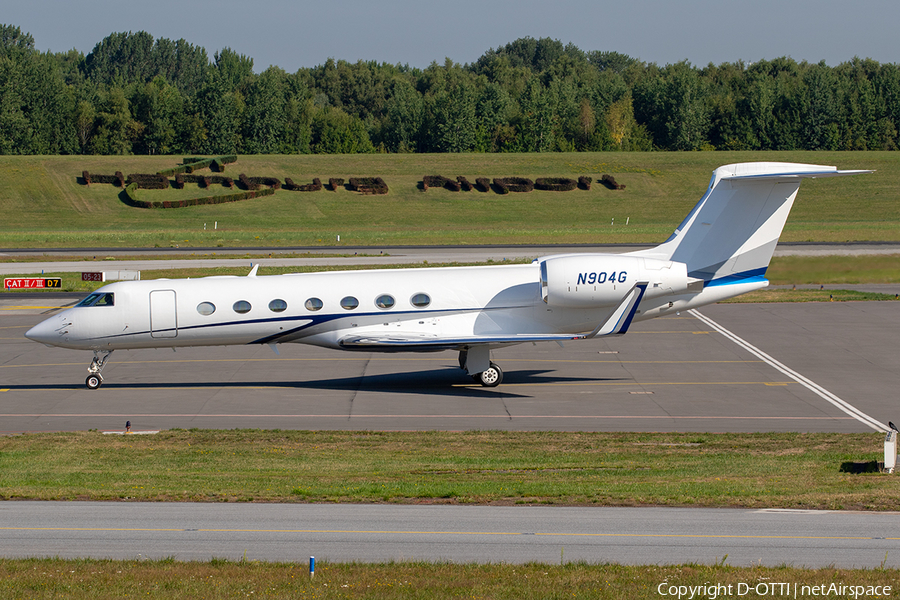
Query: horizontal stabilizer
column 794, row 176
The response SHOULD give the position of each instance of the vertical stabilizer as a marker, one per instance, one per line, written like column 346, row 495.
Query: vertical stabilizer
column 731, row 233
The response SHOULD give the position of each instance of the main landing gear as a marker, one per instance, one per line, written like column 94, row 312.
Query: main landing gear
column 476, row 361
column 94, row 378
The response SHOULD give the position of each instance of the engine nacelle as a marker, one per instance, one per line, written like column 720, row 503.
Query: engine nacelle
column 595, row 280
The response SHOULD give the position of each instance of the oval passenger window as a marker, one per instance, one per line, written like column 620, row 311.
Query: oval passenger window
column 384, row 301
column 420, row 300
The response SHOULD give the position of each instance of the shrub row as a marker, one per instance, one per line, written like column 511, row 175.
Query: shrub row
column 131, row 192
column 272, row 182
column 610, row 182
column 555, row 184
column 504, row 185
column 335, row 183
column 117, row 179
column 368, row 185
column 315, row 186
column 513, row 184
column 247, row 183
column 461, row 183
column 149, row 181
column 430, row 181
column 194, row 163
column 220, row 162
column 198, row 201
column 202, row 180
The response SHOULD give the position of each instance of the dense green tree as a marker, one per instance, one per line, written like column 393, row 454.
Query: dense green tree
column 135, row 93
column 220, row 110
column 674, row 106
column 123, row 58
column 115, row 130
column 538, row 129
column 451, row 117
column 14, row 43
column 265, row 122
column 232, row 68
column 820, row 109
column 336, row 132
column 405, row 114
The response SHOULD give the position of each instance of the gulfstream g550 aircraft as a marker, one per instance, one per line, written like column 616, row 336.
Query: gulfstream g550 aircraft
column 720, row 250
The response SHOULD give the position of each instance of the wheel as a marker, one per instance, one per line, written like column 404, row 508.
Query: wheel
column 491, row 377
column 93, row 381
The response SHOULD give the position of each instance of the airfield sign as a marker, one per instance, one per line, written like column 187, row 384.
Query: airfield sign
column 30, row 283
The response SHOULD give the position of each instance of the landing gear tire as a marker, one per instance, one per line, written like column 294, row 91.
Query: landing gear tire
column 93, row 381
column 491, row 377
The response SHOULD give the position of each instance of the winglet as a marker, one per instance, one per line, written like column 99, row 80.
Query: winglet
column 619, row 322
column 253, row 271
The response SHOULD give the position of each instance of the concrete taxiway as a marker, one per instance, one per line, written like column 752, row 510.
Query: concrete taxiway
column 677, row 373
column 380, row 533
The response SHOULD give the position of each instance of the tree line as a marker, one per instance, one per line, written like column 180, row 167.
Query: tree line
column 133, row 94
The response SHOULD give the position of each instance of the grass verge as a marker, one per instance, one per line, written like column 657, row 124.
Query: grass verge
column 44, row 205
column 101, row 579
column 822, row 471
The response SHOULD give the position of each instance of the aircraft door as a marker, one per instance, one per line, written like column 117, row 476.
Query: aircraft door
column 163, row 319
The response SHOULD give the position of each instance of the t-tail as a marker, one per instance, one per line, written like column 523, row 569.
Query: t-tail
column 730, row 235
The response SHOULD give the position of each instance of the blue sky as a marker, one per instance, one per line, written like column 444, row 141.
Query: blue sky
column 293, row 34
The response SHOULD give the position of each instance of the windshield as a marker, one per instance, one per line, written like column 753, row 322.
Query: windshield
column 96, row 299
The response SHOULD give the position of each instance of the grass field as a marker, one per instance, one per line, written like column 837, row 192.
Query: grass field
column 822, row 471
column 44, row 205
column 101, row 579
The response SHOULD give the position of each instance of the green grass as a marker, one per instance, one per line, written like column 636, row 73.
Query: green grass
column 44, row 206
column 505, row 468
column 799, row 270
column 101, row 579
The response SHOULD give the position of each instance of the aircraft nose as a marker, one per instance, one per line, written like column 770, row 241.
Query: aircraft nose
column 49, row 331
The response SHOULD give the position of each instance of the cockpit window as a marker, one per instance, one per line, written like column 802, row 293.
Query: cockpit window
column 96, row 299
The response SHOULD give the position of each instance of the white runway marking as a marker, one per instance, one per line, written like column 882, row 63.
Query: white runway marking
column 807, row 383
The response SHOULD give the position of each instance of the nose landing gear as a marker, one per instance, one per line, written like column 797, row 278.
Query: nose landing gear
column 94, row 378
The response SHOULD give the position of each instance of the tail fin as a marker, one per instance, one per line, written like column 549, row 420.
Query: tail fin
column 730, row 235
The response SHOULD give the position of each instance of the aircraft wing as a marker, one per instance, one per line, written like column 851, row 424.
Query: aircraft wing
column 616, row 324
column 413, row 341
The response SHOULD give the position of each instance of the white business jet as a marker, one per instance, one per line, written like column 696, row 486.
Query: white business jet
column 720, row 250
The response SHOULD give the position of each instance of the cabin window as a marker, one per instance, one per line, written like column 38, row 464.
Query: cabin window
column 313, row 304
column 385, row 301
column 96, row 299
column 206, row 308
column 420, row 300
column 349, row 302
column 241, row 307
column 278, row 306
